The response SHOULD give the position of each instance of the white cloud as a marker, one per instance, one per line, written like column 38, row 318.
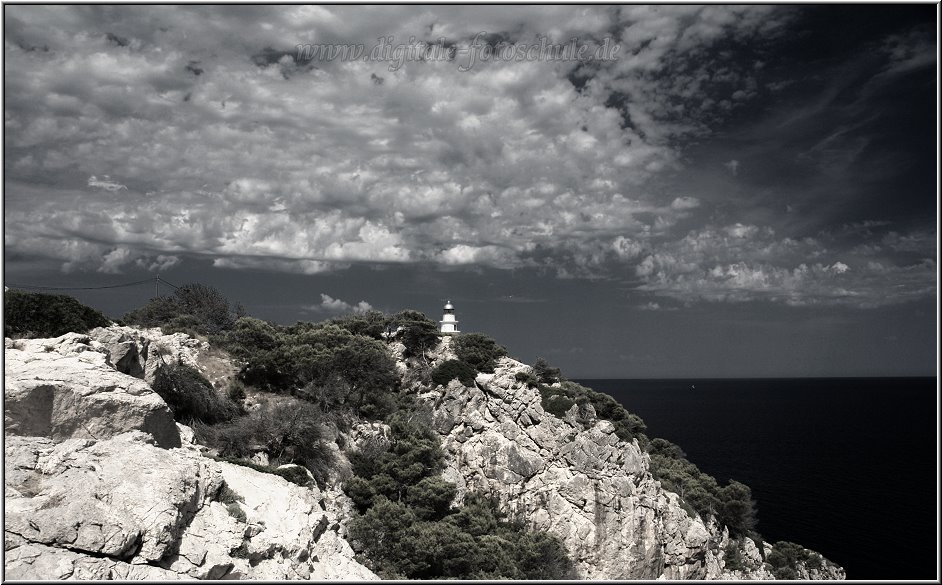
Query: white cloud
column 257, row 160
column 107, row 184
column 332, row 305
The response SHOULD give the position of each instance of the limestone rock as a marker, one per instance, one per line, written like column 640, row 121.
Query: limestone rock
column 275, row 531
column 574, row 478
column 65, row 387
column 123, row 498
column 30, row 561
column 141, row 352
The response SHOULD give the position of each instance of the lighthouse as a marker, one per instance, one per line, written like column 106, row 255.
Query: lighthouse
column 448, row 323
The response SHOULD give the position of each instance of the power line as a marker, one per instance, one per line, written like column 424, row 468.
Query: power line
column 37, row 287
column 167, row 283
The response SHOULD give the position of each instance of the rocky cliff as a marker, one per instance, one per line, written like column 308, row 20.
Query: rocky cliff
column 101, row 483
column 579, row 481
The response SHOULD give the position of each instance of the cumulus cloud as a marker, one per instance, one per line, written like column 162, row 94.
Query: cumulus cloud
column 740, row 263
column 331, row 305
column 253, row 155
column 246, row 155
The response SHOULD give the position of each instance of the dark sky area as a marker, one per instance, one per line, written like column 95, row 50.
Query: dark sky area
column 744, row 191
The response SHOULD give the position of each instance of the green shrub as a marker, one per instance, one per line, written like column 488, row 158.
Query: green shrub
column 407, row 528
column 323, row 363
column 527, row 378
column 785, row 558
column 544, row 373
column 227, row 495
column 478, row 350
column 453, row 369
column 190, row 396
column 192, row 308
column 236, row 391
column 737, row 509
column 418, row 333
column 555, row 401
column 290, row 474
column 288, row 432
column 28, row 314
column 733, row 556
column 369, row 324
column 236, row 511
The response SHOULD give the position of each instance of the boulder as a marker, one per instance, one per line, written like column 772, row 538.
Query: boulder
column 122, row 498
column 65, row 387
column 141, row 352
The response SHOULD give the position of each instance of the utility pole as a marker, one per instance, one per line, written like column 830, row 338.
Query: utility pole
column 157, row 286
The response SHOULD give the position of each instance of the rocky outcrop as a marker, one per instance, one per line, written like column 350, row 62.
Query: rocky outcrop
column 141, row 352
column 96, row 489
column 65, row 387
column 577, row 480
column 101, row 483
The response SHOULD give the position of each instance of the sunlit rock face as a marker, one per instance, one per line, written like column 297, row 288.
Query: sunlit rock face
column 101, row 483
column 576, row 479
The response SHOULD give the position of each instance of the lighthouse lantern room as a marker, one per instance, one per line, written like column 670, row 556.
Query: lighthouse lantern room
column 448, row 322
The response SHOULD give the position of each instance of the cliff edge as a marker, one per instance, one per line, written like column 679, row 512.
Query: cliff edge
column 102, row 483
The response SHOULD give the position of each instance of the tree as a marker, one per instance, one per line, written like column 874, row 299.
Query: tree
column 737, row 509
column 418, row 333
column 544, row 373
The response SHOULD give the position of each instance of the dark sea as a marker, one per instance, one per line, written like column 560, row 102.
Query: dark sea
column 844, row 466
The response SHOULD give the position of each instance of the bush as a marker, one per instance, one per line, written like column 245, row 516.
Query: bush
column 190, row 396
column 28, row 314
column 369, row 324
column 323, row 363
column 785, row 558
column 737, row 509
column 453, row 369
column 288, row 432
column 478, row 350
column 555, row 401
column 236, row 511
column 192, row 308
column 733, row 557
column 408, row 529
column 527, row 378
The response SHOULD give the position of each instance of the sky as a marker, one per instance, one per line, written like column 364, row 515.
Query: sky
column 710, row 191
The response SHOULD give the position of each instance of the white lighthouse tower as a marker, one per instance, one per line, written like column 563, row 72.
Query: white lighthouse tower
column 448, row 323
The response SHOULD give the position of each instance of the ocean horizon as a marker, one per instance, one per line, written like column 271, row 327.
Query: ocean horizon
column 842, row 465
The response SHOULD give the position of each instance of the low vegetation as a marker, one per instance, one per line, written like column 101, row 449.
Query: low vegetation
column 453, row 370
column 286, row 431
column 191, row 397
column 406, row 528
column 731, row 505
column 34, row 315
column 195, row 309
column 329, row 374
column 478, row 350
column 786, row 556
